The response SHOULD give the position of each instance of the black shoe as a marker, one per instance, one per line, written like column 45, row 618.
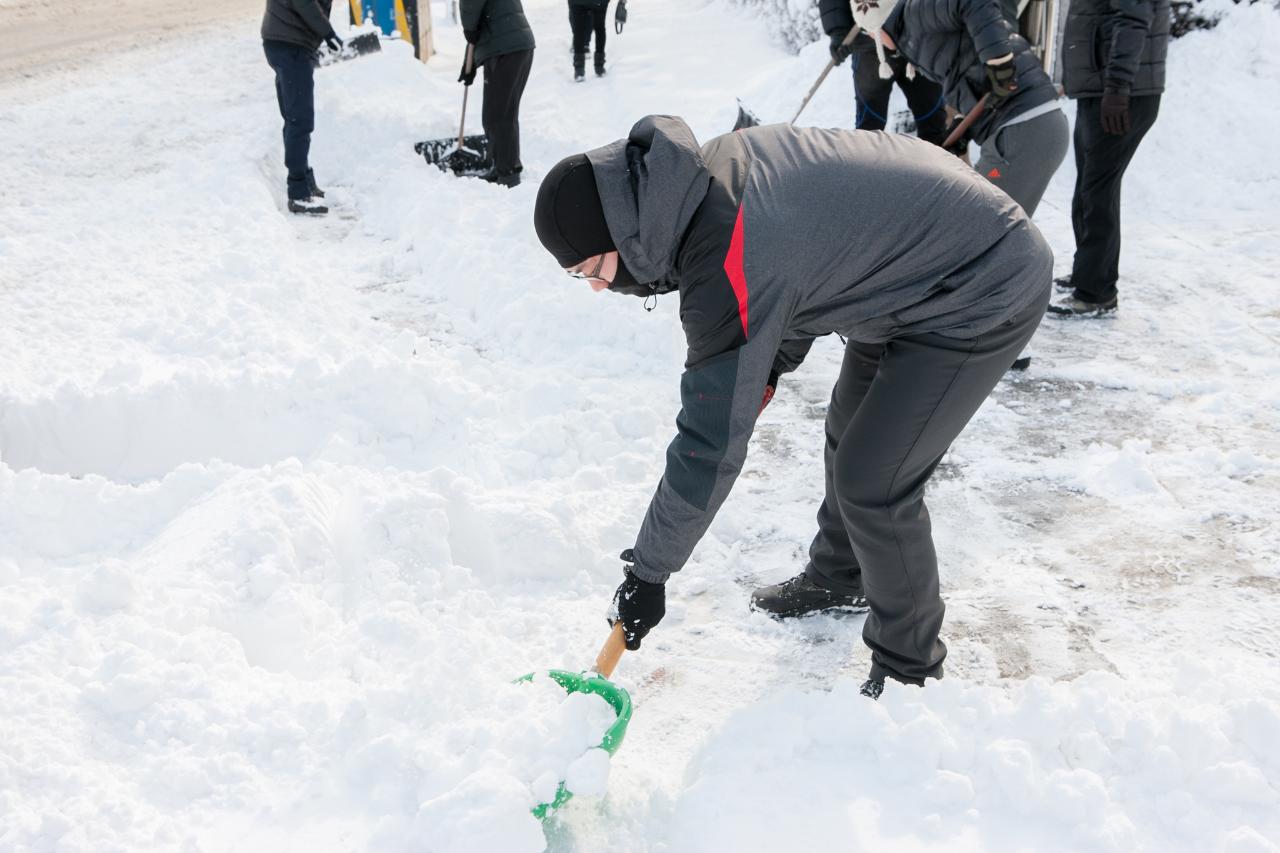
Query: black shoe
column 316, row 192
column 599, row 63
column 800, row 596
column 872, row 689
column 502, row 179
column 1063, row 284
column 308, row 206
column 1073, row 308
column 579, row 75
column 600, row 72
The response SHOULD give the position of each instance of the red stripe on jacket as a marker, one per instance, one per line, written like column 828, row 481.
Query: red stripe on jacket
column 737, row 275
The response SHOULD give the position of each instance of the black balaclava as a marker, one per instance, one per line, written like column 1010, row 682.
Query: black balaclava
column 569, row 219
column 568, row 216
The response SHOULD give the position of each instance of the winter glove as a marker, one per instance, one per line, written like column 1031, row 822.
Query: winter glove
column 1115, row 110
column 472, row 36
column 769, row 388
column 839, row 50
column 960, row 147
column 334, row 43
column 1000, row 80
column 468, row 75
column 638, row 604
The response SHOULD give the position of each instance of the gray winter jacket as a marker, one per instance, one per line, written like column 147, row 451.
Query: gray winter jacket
column 951, row 41
column 301, row 22
column 766, row 235
column 1119, row 43
column 500, row 25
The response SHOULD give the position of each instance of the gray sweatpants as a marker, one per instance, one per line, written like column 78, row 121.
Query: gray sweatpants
column 895, row 410
column 1021, row 158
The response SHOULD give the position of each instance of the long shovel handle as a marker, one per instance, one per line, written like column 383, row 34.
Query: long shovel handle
column 848, row 40
column 611, row 651
column 967, row 122
column 467, row 63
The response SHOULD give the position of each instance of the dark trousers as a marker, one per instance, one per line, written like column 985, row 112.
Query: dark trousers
column 924, row 97
column 1095, row 207
column 895, row 410
column 504, row 79
column 584, row 21
column 295, row 93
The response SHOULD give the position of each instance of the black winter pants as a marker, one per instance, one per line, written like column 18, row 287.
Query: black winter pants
column 584, row 20
column 295, row 93
column 924, row 96
column 895, row 410
column 1101, row 160
column 504, row 80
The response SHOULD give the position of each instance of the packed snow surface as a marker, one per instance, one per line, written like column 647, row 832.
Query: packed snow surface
column 285, row 504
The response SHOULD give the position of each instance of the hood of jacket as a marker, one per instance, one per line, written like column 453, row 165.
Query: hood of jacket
column 650, row 185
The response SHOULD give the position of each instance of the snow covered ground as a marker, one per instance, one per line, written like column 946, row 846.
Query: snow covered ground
column 285, row 504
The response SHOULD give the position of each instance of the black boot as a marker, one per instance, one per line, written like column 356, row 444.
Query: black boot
column 1075, row 308
column 509, row 178
column 579, row 67
column 308, row 206
column 800, row 596
column 872, row 689
column 316, row 192
column 599, row 63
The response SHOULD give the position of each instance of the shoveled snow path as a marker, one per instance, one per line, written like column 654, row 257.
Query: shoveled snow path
column 281, row 501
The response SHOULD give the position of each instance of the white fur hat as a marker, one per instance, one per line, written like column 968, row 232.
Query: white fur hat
column 871, row 15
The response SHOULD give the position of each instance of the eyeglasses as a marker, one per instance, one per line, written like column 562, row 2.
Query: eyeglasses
column 595, row 273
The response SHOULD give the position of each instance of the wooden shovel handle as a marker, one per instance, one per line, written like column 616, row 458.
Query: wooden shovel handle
column 848, row 40
column 468, row 63
column 967, row 122
column 611, row 652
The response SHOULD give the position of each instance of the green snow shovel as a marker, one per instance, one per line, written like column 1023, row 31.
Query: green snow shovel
column 596, row 682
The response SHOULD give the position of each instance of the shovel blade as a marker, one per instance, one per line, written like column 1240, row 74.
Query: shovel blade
column 746, row 118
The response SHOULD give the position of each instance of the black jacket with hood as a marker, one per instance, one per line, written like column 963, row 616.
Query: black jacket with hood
column 500, row 27
column 301, row 22
column 765, row 234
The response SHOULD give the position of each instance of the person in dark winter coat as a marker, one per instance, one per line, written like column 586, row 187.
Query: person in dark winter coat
column 924, row 96
column 503, row 44
column 1113, row 65
column 972, row 49
column 765, row 235
column 292, row 30
column 587, row 17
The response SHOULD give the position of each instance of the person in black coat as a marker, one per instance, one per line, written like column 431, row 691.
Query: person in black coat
column 872, row 93
column 972, row 49
column 1113, row 65
column 503, row 44
column 587, row 17
column 291, row 32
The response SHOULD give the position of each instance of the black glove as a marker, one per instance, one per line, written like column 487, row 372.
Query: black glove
column 839, row 50
column 638, row 604
column 1115, row 110
column 472, row 36
column 467, row 76
column 961, row 146
column 1000, row 81
column 335, row 43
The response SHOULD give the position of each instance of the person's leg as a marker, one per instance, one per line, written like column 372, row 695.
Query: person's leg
column 925, row 391
column 832, row 564
column 504, row 81
column 600, row 16
column 580, row 21
column 1101, row 162
column 1022, row 158
column 927, row 104
column 870, row 91
column 295, row 91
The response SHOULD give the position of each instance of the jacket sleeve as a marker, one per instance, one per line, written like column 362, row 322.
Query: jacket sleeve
column 1131, row 21
column 986, row 24
column 471, row 11
column 316, row 20
column 836, row 15
column 720, row 395
column 791, row 354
